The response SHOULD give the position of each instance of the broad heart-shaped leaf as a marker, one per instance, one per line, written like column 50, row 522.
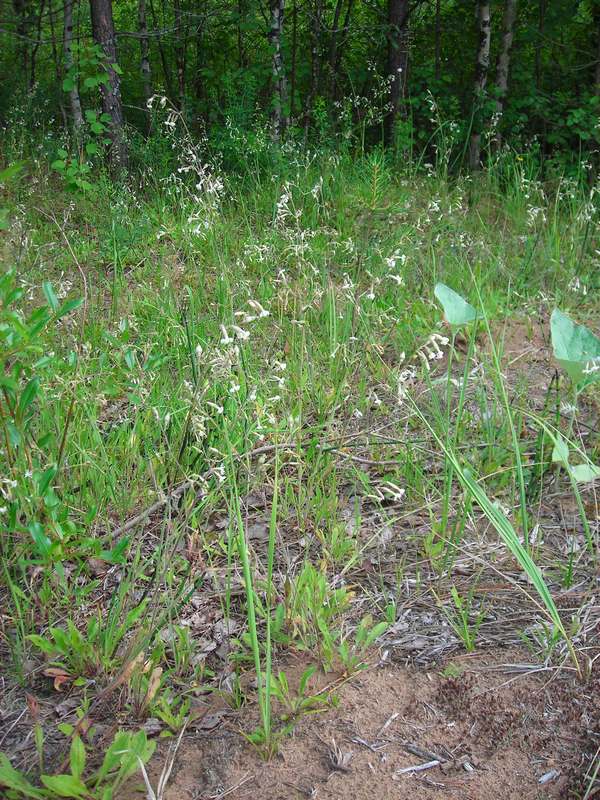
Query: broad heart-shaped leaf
column 576, row 348
column 456, row 309
column 585, row 473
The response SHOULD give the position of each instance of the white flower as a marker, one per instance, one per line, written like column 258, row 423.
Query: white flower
column 225, row 338
column 240, row 332
column 257, row 308
column 592, row 366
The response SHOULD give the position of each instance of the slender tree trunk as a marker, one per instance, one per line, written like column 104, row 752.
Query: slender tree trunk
column 482, row 65
column 163, row 58
column 438, row 40
column 333, row 44
column 58, row 67
column 278, row 113
column 241, row 20
column 36, row 46
column 20, row 10
column 397, row 62
column 341, row 44
column 294, row 58
column 315, row 62
column 180, row 53
column 539, row 43
column 74, row 99
column 103, row 31
column 596, row 17
column 503, row 66
column 145, row 69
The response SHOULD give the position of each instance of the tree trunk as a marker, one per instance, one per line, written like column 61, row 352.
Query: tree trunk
column 278, row 113
column 58, row 66
column 294, row 59
column 315, row 62
column 241, row 22
column 38, row 41
column 180, row 53
column 539, row 43
column 168, row 85
column 341, row 44
column 103, row 31
column 438, row 40
column 503, row 66
column 481, row 75
column 333, row 48
column 145, row 70
column 74, row 99
column 20, row 10
column 596, row 17
column 397, row 62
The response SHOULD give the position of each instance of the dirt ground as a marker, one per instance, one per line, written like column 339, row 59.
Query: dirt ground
column 499, row 726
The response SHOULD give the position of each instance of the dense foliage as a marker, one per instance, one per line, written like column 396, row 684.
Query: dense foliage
column 355, row 71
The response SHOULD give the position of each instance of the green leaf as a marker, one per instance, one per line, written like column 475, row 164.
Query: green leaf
column 65, row 728
column 44, row 480
column 77, row 757
column 65, row 785
column 11, row 778
column 584, row 473
column 576, row 348
column 456, row 309
column 28, row 395
column 50, row 296
column 58, row 165
column 67, row 307
column 42, row 543
column 306, row 676
column 68, row 85
column 43, row 644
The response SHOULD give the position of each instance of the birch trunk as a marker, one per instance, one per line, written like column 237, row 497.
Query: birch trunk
column 482, row 65
column 503, row 66
column 145, row 69
column 278, row 113
column 74, row 99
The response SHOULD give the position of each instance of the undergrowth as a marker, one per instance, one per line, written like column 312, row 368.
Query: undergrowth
column 225, row 395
